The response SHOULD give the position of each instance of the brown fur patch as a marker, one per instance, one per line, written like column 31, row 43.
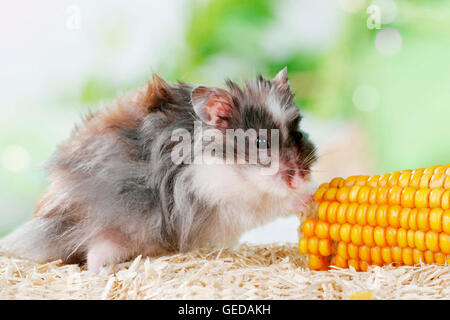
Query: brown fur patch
column 128, row 111
column 158, row 94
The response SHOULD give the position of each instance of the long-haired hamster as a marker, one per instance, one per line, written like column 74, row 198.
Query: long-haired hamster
column 144, row 176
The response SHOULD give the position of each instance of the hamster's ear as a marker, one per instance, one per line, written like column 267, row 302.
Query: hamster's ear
column 281, row 79
column 214, row 106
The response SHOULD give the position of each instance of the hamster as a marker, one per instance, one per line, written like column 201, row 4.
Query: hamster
column 116, row 191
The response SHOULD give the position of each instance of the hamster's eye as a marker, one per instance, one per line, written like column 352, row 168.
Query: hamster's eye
column 262, row 142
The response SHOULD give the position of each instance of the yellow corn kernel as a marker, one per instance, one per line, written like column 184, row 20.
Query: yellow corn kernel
column 362, row 180
column 397, row 254
column 342, row 250
column 394, row 216
column 336, row 182
column 318, row 196
column 386, row 255
column 350, row 181
column 372, row 215
column 375, row 254
column 363, row 265
column 341, row 215
column 411, row 238
column 393, row 178
column 439, row 169
column 354, row 264
column 439, row 257
column 429, row 257
column 402, row 238
column 373, row 181
column 356, row 235
column 436, row 219
column 419, row 240
column 332, row 212
column 447, row 180
column 444, row 243
column 334, row 232
column 407, row 256
column 383, row 180
column 368, row 235
column 432, row 241
column 404, row 218
column 430, row 170
column 353, row 194
column 425, row 180
column 408, row 196
column 395, row 195
column 418, row 256
column 435, row 197
column 363, row 194
column 445, row 200
column 322, row 210
column 382, row 195
column 361, row 214
column 412, row 221
column 373, row 195
column 325, row 247
column 379, row 237
column 313, row 245
column 316, row 262
column 403, row 180
column 446, row 221
column 364, row 253
column 391, row 236
column 341, row 262
column 422, row 197
column 437, row 180
column 415, row 179
column 330, row 194
column 322, row 229
column 309, row 227
column 325, row 185
column 351, row 213
column 422, row 219
column 344, row 232
column 382, row 216
column 342, row 194
column 352, row 251
column 303, row 245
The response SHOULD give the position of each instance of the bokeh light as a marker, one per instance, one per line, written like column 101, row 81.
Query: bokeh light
column 366, row 98
column 352, row 6
column 388, row 10
column 15, row 158
column 388, row 41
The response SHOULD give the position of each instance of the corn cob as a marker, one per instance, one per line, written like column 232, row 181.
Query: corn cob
column 401, row 218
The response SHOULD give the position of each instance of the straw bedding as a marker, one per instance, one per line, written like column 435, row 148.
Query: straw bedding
column 275, row 271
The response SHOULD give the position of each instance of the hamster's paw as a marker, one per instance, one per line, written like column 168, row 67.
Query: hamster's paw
column 102, row 252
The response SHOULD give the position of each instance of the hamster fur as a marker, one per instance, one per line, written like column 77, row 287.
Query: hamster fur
column 115, row 191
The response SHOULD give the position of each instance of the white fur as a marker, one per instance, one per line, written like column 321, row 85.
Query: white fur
column 279, row 111
column 246, row 198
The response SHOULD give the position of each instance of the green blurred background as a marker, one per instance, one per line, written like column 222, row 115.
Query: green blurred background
column 372, row 77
